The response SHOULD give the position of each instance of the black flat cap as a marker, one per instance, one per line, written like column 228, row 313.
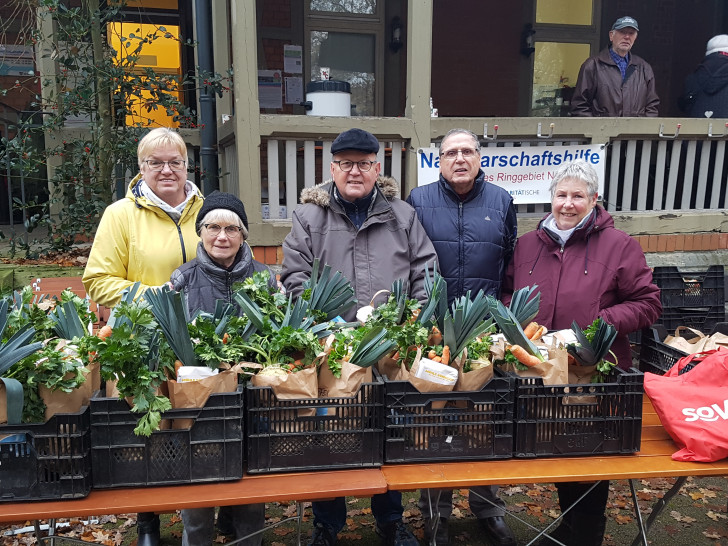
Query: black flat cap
column 355, row 139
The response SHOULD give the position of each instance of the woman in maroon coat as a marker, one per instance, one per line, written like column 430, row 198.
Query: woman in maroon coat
column 584, row 268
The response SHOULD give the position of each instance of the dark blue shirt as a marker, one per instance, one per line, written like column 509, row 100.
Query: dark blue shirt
column 622, row 62
column 358, row 210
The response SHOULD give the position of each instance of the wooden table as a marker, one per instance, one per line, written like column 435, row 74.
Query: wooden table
column 300, row 486
column 654, row 460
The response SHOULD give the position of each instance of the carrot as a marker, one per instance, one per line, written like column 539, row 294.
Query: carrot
column 225, row 338
column 446, row 355
column 436, row 358
column 531, row 329
column 431, row 355
column 395, row 356
column 435, row 336
column 104, row 332
column 540, row 331
column 523, row 356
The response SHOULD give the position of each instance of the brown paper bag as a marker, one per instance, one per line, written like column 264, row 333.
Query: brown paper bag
column 389, row 367
column 580, row 375
column 352, row 377
column 554, row 371
column 716, row 341
column 691, row 341
column 347, row 386
column 71, row 402
column 422, row 385
column 687, row 340
column 473, row 380
column 194, row 394
column 302, row 384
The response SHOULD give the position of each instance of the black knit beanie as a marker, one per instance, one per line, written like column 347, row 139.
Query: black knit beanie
column 220, row 200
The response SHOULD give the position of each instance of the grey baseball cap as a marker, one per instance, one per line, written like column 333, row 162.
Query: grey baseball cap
column 624, row 22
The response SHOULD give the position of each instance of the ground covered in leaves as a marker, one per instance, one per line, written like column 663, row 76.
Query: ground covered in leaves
column 75, row 257
column 696, row 516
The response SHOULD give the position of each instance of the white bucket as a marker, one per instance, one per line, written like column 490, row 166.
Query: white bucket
column 328, row 98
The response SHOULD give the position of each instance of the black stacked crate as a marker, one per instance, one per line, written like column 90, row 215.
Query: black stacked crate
column 46, row 461
column 691, row 298
column 314, row 433
column 210, row 450
column 656, row 356
column 579, row 419
column 449, row 426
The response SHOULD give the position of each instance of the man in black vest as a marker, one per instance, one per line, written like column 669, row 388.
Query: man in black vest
column 472, row 224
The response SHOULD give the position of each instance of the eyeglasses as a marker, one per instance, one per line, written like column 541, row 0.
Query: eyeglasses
column 214, row 230
column 453, row 154
column 175, row 164
column 346, row 165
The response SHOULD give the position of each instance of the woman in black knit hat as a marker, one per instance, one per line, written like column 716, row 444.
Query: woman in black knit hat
column 223, row 259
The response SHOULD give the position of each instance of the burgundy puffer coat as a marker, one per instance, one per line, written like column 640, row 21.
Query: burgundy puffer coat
column 600, row 272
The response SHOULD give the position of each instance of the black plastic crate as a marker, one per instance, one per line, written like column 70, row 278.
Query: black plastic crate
column 690, row 289
column 449, row 426
column 314, row 433
column 655, row 355
column 211, row 450
column 589, row 419
column 703, row 319
column 46, row 461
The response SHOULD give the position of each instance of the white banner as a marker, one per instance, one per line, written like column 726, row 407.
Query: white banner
column 526, row 172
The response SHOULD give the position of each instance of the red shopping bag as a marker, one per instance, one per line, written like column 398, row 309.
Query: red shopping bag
column 693, row 406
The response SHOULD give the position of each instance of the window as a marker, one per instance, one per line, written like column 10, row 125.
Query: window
column 162, row 55
column 166, row 20
column 566, row 35
column 347, row 37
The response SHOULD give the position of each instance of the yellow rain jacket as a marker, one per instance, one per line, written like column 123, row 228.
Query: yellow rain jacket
column 138, row 241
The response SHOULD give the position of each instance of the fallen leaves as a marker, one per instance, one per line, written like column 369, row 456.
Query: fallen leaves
column 682, row 519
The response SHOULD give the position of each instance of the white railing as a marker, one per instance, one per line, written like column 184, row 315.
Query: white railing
column 291, row 165
column 642, row 174
column 676, row 174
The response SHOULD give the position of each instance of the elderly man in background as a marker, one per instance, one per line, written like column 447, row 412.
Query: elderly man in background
column 472, row 224
column 358, row 225
column 616, row 82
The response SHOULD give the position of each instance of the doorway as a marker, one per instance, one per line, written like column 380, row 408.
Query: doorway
column 565, row 34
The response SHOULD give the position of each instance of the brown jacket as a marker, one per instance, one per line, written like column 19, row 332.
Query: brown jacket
column 391, row 243
column 600, row 92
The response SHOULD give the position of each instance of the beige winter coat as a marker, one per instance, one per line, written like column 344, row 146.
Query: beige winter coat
column 391, row 243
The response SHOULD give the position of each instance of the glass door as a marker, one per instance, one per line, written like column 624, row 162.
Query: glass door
column 347, row 38
column 565, row 36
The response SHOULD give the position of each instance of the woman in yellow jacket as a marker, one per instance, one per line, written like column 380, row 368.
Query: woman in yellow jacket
column 146, row 236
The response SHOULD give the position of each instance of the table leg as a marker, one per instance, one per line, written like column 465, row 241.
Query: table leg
column 656, row 509
column 299, row 522
column 544, row 533
column 434, row 515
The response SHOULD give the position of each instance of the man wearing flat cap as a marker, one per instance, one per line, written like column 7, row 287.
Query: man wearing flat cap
column 616, row 82
column 359, row 226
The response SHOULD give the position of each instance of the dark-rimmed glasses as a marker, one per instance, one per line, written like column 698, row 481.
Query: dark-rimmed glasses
column 346, row 165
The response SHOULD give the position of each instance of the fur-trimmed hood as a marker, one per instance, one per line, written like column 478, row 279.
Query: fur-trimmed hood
column 320, row 194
